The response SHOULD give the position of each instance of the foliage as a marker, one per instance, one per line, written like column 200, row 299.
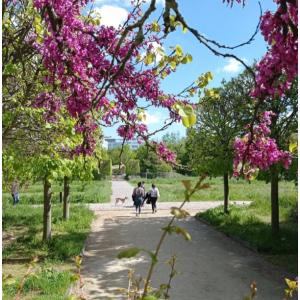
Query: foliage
column 91, row 84
column 105, row 169
column 275, row 74
column 179, row 146
column 219, row 120
column 150, row 161
column 25, row 223
column 133, row 167
column 118, row 155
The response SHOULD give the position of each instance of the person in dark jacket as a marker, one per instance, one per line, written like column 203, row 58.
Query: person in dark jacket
column 138, row 195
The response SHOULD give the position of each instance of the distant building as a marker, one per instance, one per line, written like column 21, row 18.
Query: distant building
column 117, row 142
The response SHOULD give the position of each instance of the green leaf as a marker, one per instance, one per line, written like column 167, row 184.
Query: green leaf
column 155, row 27
column 179, row 213
column 183, row 232
column 187, row 59
column 9, row 69
column 204, row 79
column 130, row 252
column 178, row 50
column 187, row 184
column 149, row 58
column 173, row 65
column 293, row 147
column 189, row 121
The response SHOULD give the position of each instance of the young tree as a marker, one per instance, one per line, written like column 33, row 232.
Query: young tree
column 284, row 123
column 220, row 118
column 178, row 145
column 151, row 162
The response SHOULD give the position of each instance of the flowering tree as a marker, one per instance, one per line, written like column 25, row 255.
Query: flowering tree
column 274, row 76
column 99, row 74
column 103, row 72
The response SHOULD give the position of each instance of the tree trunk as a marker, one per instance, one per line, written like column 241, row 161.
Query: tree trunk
column 66, row 212
column 226, row 192
column 47, row 210
column 274, row 200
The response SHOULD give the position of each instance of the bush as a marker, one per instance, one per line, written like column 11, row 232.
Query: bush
column 104, row 170
column 133, row 167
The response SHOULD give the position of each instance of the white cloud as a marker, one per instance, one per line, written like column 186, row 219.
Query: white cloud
column 233, row 66
column 152, row 118
column 112, row 15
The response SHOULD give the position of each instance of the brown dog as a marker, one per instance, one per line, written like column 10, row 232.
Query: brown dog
column 120, row 200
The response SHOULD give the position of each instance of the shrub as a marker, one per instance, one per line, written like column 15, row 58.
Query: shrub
column 133, row 167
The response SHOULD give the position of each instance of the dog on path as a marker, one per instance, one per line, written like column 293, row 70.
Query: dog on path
column 122, row 200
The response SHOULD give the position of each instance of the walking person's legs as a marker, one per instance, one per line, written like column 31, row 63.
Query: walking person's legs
column 154, row 205
column 15, row 198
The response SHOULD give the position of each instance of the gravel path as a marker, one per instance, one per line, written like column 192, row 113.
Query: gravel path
column 211, row 266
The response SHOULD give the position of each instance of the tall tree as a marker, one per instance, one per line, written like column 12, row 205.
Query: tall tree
column 220, row 118
column 284, row 124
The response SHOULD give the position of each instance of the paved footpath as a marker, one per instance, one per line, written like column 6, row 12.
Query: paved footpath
column 211, row 266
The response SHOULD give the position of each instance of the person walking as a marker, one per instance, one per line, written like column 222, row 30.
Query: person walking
column 138, row 196
column 15, row 192
column 154, row 195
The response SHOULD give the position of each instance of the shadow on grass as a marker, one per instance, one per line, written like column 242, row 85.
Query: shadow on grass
column 60, row 247
column 24, row 223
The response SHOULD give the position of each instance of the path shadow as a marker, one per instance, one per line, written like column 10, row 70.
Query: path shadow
column 209, row 265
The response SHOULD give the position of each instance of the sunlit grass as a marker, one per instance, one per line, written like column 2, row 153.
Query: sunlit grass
column 98, row 191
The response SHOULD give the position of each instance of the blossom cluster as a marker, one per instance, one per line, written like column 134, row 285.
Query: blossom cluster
column 258, row 150
column 164, row 152
column 50, row 103
column 85, row 61
column 279, row 66
column 274, row 75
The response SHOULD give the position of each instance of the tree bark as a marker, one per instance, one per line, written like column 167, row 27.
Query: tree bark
column 226, row 192
column 66, row 211
column 47, row 210
column 274, row 200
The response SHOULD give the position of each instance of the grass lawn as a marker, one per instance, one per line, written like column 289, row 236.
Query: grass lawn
column 252, row 224
column 173, row 190
column 53, row 274
column 97, row 191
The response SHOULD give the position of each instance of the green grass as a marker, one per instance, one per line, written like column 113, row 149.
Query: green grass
column 53, row 274
column 173, row 190
column 252, row 225
column 80, row 192
column 46, row 283
column 25, row 223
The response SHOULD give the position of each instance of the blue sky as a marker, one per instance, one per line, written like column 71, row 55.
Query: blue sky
column 225, row 24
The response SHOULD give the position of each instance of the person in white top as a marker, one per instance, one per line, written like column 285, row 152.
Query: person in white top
column 154, row 195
